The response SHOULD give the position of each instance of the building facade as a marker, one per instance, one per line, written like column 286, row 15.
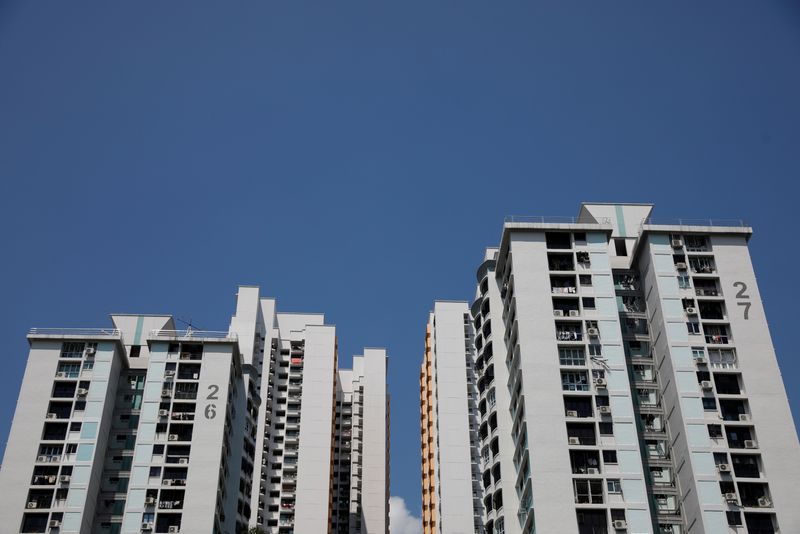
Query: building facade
column 637, row 388
column 449, row 421
column 148, row 428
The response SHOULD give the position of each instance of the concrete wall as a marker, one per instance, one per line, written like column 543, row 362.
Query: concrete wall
column 453, row 461
column 316, row 431
column 375, row 480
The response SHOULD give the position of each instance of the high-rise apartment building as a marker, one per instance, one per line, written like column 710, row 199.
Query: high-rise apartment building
column 143, row 427
column 449, row 421
column 637, row 377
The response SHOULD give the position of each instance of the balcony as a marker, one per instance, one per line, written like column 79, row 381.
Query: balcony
column 717, row 339
column 626, row 282
column 702, row 265
column 566, row 332
column 560, row 262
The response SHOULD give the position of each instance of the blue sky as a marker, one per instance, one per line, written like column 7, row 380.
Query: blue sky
column 355, row 158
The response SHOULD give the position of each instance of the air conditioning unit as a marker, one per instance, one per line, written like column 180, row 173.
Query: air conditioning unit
column 572, row 413
column 750, row 444
column 65, row 478
column 147, row 526
column 183, row 460
column 593, row 332
column 574, row 313
column 677, row 243
column 174, row 529
column 600, row 382
column 604, row 410
column 691, row 311
column 169, row 372
column 681, row 266
column 700, row 359
column 61, row 374
column 173, row 437
column 764, row 502
column 90, row 351
column 41, row 458
column 166, row 393
column 150, row 501
column 706, row 384
column 730, row 497
column 195, row 376
column 620, row 524
column 574, row 441
column 723, row 468
column 32, row 504
column 51, row 416
column 54, row 523
column 592, row 471
column 163, row 413
column 558, row 313
column 167, row 482
column 744, row 417
column 82, row 392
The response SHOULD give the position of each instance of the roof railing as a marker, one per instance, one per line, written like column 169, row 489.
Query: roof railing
column 75, row 332
column 547, row 219
column 731, row 223
column 194, row 333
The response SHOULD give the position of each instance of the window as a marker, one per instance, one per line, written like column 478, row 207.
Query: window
column 74, row 427
column 72, row 350
column 606, row 429
column 585, row 279
column 588, row 491
column 734, row 518
column 609, row 457
column 693, row 327
column 588, row 303
column 709, row 404
column 715, row 431
column 595, row 350
column 574, row 381
column 155, row 471
column 684, row 282
column 571, row 356
column 135, row 351
column 580, row 237
column 491, row 397
column 698, row 353
column 620, row 247
column 614, row 486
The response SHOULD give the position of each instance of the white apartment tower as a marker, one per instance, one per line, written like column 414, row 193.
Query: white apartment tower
column 146, row 428
column 637, row 376
column 449, row 421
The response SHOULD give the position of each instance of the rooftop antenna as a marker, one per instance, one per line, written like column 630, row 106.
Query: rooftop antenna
column 189, row 326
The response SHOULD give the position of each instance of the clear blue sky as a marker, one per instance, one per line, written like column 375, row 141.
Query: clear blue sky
column 355, row 158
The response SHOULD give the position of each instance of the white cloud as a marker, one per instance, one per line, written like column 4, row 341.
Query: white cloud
column 401, row 520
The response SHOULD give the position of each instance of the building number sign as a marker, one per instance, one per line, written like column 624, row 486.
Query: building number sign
column 211, row 408
column 744, row 298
